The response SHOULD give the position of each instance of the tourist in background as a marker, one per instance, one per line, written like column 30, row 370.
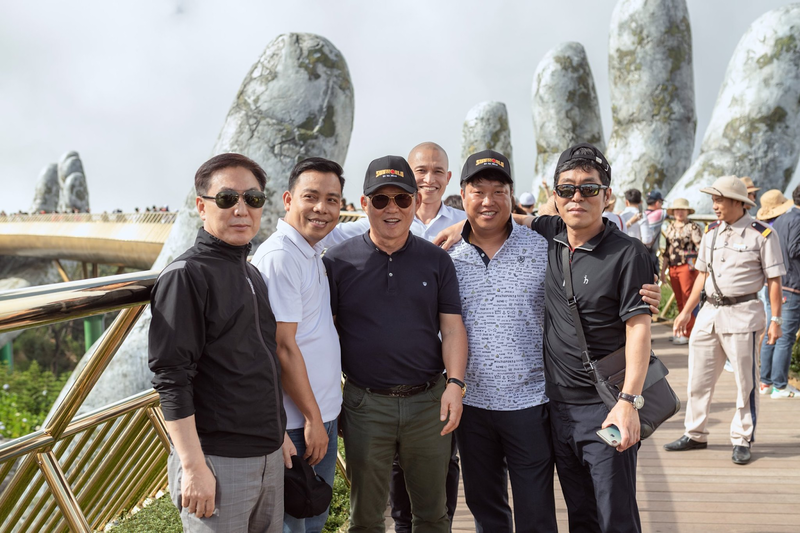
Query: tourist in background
column 610, row 215
column 683, row 238
column 632, row 214
column 775, row 359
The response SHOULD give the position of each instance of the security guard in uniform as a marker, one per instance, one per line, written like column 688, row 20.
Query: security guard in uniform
column 737, row 254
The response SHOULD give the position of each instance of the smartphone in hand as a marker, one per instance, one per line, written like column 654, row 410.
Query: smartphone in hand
column 610, row 435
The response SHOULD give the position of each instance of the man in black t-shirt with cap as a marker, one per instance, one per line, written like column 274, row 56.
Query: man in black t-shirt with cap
column 607, row 269
column 392, row 295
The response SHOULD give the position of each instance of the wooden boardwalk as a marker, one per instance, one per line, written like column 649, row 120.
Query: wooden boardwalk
column 702, row 490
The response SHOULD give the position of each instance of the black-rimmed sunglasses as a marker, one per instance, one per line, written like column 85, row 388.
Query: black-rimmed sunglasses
column 587, row 190
column 403, row 200
column 228, row 199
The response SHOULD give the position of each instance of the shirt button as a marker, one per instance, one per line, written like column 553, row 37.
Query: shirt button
column 390, row 259
column 483, row 255
column 390, row 274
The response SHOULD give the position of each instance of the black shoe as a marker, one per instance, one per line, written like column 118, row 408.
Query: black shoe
column 741, row 455
column 685, row 443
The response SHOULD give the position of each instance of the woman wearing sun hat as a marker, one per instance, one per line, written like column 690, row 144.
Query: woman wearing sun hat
column 683, row 237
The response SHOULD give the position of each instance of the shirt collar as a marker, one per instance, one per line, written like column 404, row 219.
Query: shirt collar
column 740, row 225
column 284, row 228
column 592, row 243
column 467, row 231
column 374, row 246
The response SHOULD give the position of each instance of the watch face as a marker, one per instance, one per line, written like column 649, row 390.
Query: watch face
column 638, row 402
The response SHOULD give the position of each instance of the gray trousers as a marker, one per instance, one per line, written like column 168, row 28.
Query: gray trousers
column 249, row 495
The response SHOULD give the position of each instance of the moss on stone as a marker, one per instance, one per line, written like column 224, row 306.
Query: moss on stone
column 662, row 100
column 654, row 177
column 564, row 62
column 788, row 172
column 744, row 128
column 626, row 64
column 709, row 168
column 328, row 126
column 499, row 133
column 782, row 45
column 315, row 56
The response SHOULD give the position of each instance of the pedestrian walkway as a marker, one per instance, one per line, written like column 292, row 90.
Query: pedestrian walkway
column 702, row 490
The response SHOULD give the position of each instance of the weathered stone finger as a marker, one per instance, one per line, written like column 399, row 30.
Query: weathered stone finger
column 652, row 94
column 755, row 127
column 47, row 191
column 486, row 128
column 564, row 108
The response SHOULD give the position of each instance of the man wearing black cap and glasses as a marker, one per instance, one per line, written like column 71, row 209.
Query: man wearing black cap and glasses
column 607, row 269
column 392, row 294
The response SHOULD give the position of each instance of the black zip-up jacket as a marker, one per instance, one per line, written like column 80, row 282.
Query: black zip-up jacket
column 212, row 349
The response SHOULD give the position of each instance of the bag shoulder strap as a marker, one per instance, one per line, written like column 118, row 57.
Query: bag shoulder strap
column 711, row 263
column 573, row 307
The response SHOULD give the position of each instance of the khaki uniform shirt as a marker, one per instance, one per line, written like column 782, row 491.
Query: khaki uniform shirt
column 744, row 259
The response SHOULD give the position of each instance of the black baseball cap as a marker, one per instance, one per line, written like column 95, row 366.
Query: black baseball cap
column 486, row 160
column 654, row 196
column 597, row 156
column 389, row 170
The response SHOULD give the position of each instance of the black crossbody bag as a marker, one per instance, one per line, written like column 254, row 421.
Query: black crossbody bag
column 608, row 373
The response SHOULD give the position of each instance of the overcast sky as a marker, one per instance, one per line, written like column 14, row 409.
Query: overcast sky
column 141, row 88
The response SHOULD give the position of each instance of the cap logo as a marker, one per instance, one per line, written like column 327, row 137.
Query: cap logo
column 390, row 171
column 490, row 160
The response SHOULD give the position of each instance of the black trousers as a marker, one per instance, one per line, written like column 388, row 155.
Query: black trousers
column 598, row 482
column 496, row 446
column 400, row 502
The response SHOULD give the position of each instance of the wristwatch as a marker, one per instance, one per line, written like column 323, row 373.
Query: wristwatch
column 460, row 384
column 777, row 319
column 636, row 401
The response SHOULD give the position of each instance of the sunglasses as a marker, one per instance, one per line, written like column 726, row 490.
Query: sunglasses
column 402, row 200
column 228, row 199
column 587, row 190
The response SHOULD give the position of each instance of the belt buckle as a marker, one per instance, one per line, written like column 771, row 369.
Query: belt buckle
column 717, row 299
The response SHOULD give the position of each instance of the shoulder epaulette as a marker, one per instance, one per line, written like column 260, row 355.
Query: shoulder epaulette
column 711, row 226
column 762, row 228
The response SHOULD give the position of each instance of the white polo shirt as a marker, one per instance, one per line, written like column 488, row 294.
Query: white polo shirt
column 446, row 217
column 299, row 292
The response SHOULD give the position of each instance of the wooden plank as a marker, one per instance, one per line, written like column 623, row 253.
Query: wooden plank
column 702, row 491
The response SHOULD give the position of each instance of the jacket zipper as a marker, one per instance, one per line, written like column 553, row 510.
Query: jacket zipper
column 271, row 356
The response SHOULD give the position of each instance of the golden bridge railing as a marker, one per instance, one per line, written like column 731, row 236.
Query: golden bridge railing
column 77, row 473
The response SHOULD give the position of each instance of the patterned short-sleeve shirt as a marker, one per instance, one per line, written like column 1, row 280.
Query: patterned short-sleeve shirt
column 683, row 241
column 502, row 304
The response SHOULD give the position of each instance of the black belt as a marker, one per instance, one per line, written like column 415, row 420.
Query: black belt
column 401, row 391
column 718, row 301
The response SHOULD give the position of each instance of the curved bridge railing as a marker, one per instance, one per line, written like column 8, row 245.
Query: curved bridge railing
column 78, row 473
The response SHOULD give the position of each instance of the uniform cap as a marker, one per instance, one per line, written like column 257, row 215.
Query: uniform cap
column 729, row 187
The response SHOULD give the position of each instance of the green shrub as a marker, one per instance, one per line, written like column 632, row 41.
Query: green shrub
column 666, row 293
column 25, row 398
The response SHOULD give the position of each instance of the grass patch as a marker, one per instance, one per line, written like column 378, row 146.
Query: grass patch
column 161, row 516
column 666, row 294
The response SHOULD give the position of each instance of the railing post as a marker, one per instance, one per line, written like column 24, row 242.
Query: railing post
column 7, row 355
column 62, row 492
column 93, row 327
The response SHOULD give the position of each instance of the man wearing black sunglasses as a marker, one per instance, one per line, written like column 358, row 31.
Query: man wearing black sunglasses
column 212, row 351
column 392, row 294
column 607, row 270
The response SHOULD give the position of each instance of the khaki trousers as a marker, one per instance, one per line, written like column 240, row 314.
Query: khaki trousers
column 707, row 354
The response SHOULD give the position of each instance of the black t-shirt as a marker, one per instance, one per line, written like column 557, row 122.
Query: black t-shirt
column 387, row 309
column 607, row 274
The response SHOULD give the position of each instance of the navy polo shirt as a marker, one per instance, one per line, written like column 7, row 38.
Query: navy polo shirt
column 387, row 309
column 607, row 274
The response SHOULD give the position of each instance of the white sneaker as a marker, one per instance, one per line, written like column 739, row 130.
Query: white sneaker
column 783, row 394
column 764, row 388
column 728, row 366
column 680, row 340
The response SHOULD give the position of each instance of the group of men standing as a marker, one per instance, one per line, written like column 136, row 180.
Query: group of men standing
column 429, row 343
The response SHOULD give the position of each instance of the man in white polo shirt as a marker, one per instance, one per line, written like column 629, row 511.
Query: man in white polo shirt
column 299, row 295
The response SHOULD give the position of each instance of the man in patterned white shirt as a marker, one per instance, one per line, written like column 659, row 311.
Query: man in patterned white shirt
column 505, row 427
